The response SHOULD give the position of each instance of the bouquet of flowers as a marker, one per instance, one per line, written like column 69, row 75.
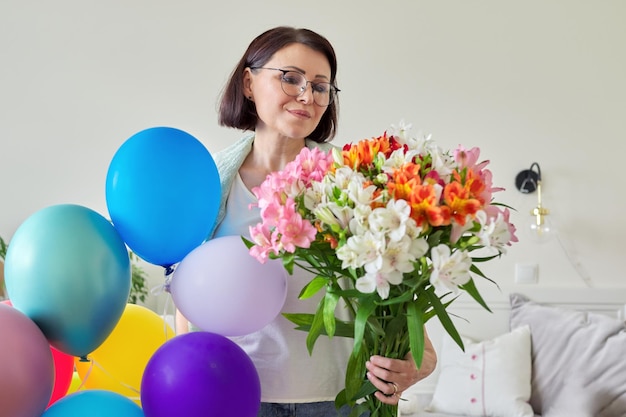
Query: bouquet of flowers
column 388, row 225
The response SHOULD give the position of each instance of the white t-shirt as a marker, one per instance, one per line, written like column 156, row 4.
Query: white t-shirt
column 288, row 373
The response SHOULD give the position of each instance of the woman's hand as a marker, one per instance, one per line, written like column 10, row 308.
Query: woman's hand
column 393, row 376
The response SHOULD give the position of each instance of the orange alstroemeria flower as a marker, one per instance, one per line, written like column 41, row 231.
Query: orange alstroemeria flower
column 425, row 209
column 458, row 199
column 332, row 240
column 474, row 184
column 362, row 153
column 421, row 196
column 403, row 181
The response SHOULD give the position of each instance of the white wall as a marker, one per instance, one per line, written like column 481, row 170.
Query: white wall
column 539, row 80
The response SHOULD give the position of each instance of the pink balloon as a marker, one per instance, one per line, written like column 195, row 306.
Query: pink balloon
column 221, row 288
column 63, row 370
column 26, row 366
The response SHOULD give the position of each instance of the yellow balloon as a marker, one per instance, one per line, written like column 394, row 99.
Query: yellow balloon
column 118, row 364
column 75, row 384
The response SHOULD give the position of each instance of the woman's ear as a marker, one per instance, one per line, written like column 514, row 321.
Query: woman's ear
column 247, row 83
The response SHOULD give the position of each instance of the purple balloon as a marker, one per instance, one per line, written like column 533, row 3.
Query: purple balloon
column 221, row 288
column 26, row 366
column 197, row 375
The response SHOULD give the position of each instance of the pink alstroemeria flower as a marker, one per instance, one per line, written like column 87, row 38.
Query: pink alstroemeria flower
column 311, row 164
column 294, row 230
column 264, row 242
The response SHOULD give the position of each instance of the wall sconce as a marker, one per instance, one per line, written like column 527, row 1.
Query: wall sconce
column 527, row 181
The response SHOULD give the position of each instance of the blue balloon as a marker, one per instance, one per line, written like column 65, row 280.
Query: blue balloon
column 163, row 193
column 94, row 403
column 69, row 271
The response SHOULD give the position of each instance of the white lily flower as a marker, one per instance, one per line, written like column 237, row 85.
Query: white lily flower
column 401, row 129
column 449, row 269
column 361, row 251
column 344, row 177
column 337, row 155
column 343, row 214
column 418, row 247
column 360, row 195
column 391, row 219
column 494, row 232
column 366, row 284
column 397, row 159
column 325, row 214
column 359, row 223
column 315, row 195
column 374, row 281
column 398, row 259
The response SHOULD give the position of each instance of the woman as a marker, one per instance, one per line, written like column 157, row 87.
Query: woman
column 283, row 90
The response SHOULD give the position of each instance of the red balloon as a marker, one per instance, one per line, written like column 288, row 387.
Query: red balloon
column 64, row 371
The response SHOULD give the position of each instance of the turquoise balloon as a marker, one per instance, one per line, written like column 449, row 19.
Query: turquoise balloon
column 94, row 403
column 68, row 270
column 163, row 193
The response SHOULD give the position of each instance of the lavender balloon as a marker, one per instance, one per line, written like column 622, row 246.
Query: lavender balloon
column 221, row 288
column 197, row 375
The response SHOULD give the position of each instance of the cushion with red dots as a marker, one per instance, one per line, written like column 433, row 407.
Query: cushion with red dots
column 490, row 378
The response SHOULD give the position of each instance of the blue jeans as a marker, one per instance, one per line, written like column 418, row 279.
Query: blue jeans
column 319, row 409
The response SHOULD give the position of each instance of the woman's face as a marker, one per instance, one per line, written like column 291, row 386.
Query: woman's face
column 279, row 113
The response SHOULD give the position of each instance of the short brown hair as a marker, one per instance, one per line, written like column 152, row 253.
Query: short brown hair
column 238, row 112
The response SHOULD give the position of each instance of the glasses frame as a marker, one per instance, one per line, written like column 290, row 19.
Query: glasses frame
column 333, row 89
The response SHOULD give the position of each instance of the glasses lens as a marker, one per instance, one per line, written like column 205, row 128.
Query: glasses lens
column 322, row 93
column 294, row 84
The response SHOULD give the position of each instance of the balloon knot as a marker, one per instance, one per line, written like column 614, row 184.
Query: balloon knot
column 169, row 271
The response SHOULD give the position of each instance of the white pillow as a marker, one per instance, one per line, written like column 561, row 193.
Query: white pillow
column 491, row 378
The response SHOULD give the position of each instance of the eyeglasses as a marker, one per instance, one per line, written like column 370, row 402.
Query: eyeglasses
column 294, row 84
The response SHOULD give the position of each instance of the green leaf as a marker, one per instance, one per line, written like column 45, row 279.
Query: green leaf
column 288, row 260
column 403, row 298
column 330, row 302
column 415, row 324
column 477, row 271
column 303, row 322
column 355, row 372
column 360, row 321
column 340, row 399
column 317, row 325
column 484, row 259
column 367, row 388
column 470, row 288
column 301, row 319
column 313, row 287
column 360, row 410
column 349, row 293
column 374, row 324
column 444, row 318
column 396, row 326
column 247, row 242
